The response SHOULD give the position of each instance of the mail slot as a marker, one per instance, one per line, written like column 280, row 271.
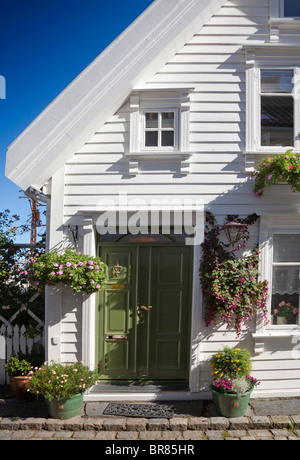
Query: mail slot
column 115, row 337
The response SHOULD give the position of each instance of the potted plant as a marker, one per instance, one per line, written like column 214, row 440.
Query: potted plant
column 232, row 384
column 62, row 386
column 81, row 272
column 285, row 313
column 284, row 168
column 17, row 369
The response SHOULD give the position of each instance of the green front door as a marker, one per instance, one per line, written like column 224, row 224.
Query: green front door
column 144, row 314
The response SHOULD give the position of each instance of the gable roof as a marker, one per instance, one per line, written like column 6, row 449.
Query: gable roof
column 98, row 92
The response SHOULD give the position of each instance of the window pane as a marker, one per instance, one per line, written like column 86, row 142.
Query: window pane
column 152, row 120
column 151, row 139
column 277, row 121
column 285, row 309
column 277, row 81
column 286, row 248
column 285, row 295
column 167, row 120
column 167, row 138
column 291, row 8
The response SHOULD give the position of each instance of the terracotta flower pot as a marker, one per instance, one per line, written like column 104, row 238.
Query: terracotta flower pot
column 19, row 385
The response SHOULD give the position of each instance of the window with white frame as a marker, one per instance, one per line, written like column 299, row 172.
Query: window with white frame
column 277, row 108
column 160, row 129
column 290, row 8
column 285, row 9
column 273, row 103
column 285, row 279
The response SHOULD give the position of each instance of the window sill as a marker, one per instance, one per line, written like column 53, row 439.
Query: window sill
column 155, row 156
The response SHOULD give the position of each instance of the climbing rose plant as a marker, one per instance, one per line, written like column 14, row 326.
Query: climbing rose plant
column 81, row 272
column 231, row 287
column 284, row 168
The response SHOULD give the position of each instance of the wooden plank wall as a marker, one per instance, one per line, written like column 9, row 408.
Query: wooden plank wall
column 214, row 63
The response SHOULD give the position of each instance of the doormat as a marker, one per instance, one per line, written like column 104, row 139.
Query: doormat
column 140, row 410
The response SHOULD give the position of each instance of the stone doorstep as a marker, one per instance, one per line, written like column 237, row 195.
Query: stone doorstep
column 180, row 424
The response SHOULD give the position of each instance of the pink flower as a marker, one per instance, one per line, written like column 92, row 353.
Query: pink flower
column 291, row 167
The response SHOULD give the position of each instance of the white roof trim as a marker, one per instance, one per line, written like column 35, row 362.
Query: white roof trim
column 98, row 92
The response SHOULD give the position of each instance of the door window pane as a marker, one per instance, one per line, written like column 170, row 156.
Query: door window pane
column 291, row 8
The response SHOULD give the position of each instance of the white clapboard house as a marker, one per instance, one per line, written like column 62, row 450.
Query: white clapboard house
column 171, row 118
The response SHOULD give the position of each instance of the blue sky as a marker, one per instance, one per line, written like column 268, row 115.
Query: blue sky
column 44, row 45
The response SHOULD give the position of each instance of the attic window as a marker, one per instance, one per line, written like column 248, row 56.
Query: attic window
column 159, row 130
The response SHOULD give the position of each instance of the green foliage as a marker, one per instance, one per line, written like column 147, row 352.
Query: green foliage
column 81, row 272
column 56, row 381
column 17, row 366
column 231, row 368
column 231, row 287
column 284, row 168
column 231, row 363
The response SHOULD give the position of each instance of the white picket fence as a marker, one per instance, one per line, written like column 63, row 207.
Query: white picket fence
column 12, row 341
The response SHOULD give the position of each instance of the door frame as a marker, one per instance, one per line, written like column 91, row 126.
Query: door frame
column 88, row 244
column 189, row 303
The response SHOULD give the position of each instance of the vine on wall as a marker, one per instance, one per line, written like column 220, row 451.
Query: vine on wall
column 232, row 290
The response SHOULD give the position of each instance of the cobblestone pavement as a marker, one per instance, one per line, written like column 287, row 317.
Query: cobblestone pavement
column 274, row 427
column 277, row 419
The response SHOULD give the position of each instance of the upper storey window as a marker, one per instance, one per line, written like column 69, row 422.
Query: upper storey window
column 160, row 129
column 277, row 108
column 291, row 8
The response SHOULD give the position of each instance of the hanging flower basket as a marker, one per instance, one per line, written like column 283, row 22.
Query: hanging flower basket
column 284, row 168
column 81, row 272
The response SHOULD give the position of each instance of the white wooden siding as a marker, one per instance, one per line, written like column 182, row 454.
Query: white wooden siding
column 214, row 63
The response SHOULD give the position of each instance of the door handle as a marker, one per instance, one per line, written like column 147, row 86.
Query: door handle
column 143, row 307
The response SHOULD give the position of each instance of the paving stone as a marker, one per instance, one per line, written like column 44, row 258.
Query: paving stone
column 106, row 435
column 84, row 435
column 295, row 419
column 216, row 435
column 171, row 435
column 32, row 423
column 237, row 433
column 114, row 424
column 158, row 424
column 149, row 435
column 193, row 435
column 5, row 435
column 54, row 424
column 219, row 423
column 9, row 423
column 178, row 424
column 22, row 435
column 247, row 438
column 63, row 435
column 136, row 424
column 239, row 423
column 44, row 434
column 127, row 435
column 198, row 423
column 261, row 421
column 280, row 421
column 74, row 423
column 260, row 433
